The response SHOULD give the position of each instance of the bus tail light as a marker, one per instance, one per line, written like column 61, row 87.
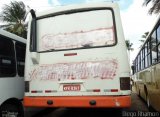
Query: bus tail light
column 114, row 90
column 26, row 86
column 125, row 83
column 48, row 91
column 36, row 91
column 94, row 90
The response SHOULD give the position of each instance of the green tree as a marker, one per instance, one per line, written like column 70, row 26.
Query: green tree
column 143, row 40
column 13, row 15
column 145, row 35
column 129, row 45
column 155, row 8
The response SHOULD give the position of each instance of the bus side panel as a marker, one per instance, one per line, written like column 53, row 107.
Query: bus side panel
column 154, row 91
column 11, row 88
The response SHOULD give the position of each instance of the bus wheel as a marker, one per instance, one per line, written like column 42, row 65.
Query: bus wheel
column 149, row 104
column 11, row 110
column 148, row 101
column 150, row 108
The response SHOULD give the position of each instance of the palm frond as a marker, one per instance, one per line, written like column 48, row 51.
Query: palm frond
column 5, row 25
column 129, row 45
column 146, row 2
column 145, row 35
column 14, row 15
column 155, row 8
column 142, row 40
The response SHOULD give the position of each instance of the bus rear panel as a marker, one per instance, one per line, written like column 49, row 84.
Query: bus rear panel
column 76, row 57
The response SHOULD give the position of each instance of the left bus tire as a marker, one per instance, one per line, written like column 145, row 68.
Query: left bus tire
column 11, row 109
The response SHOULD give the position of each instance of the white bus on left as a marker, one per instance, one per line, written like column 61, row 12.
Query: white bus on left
column 12, row 58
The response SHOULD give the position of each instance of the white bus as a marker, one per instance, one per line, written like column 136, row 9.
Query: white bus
column 77, row 57
column 147, row 69
column 12, row 59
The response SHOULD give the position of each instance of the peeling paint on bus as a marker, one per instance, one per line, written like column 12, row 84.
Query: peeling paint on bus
column 83, row 70
column 95, row 37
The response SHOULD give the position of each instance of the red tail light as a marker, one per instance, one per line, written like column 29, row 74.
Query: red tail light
column 48, row 91
column 34, row 91
column 114, row 90
column 96, row 90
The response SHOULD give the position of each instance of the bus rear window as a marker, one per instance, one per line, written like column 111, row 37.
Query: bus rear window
column 85, row 29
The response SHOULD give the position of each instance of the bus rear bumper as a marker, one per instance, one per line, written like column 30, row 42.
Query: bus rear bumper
column 79, row 101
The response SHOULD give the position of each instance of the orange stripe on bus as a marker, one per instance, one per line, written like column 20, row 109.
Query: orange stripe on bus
column 79, row 101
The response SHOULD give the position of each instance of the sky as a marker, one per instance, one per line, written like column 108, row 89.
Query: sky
column 135, row 18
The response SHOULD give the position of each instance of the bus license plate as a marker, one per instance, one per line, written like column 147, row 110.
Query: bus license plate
column 71, row 87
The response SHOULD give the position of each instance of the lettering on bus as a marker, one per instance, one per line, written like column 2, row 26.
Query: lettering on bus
column 83, row 70
column 95, row 37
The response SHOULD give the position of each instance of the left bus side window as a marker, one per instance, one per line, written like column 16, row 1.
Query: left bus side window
column 153, row 47
column 20, row 55
column 7, row 58
column 158, row 39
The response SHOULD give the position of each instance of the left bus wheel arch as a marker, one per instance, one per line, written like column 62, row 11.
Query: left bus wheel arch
column 14, row 102
column 148, row 100
column 146, row 92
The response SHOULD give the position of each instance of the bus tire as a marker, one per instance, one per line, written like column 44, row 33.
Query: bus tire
column 11, row 109
column 148, row 103
column 150, row 108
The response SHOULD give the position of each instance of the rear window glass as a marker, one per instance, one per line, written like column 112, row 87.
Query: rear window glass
column 76, row 30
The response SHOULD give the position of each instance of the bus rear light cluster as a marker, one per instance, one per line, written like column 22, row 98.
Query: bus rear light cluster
column 125, row 83
column 110, row 90
column 35, row 91
column 94, row 90
column 114, row 90
column 50, row 91
column 105, row 90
